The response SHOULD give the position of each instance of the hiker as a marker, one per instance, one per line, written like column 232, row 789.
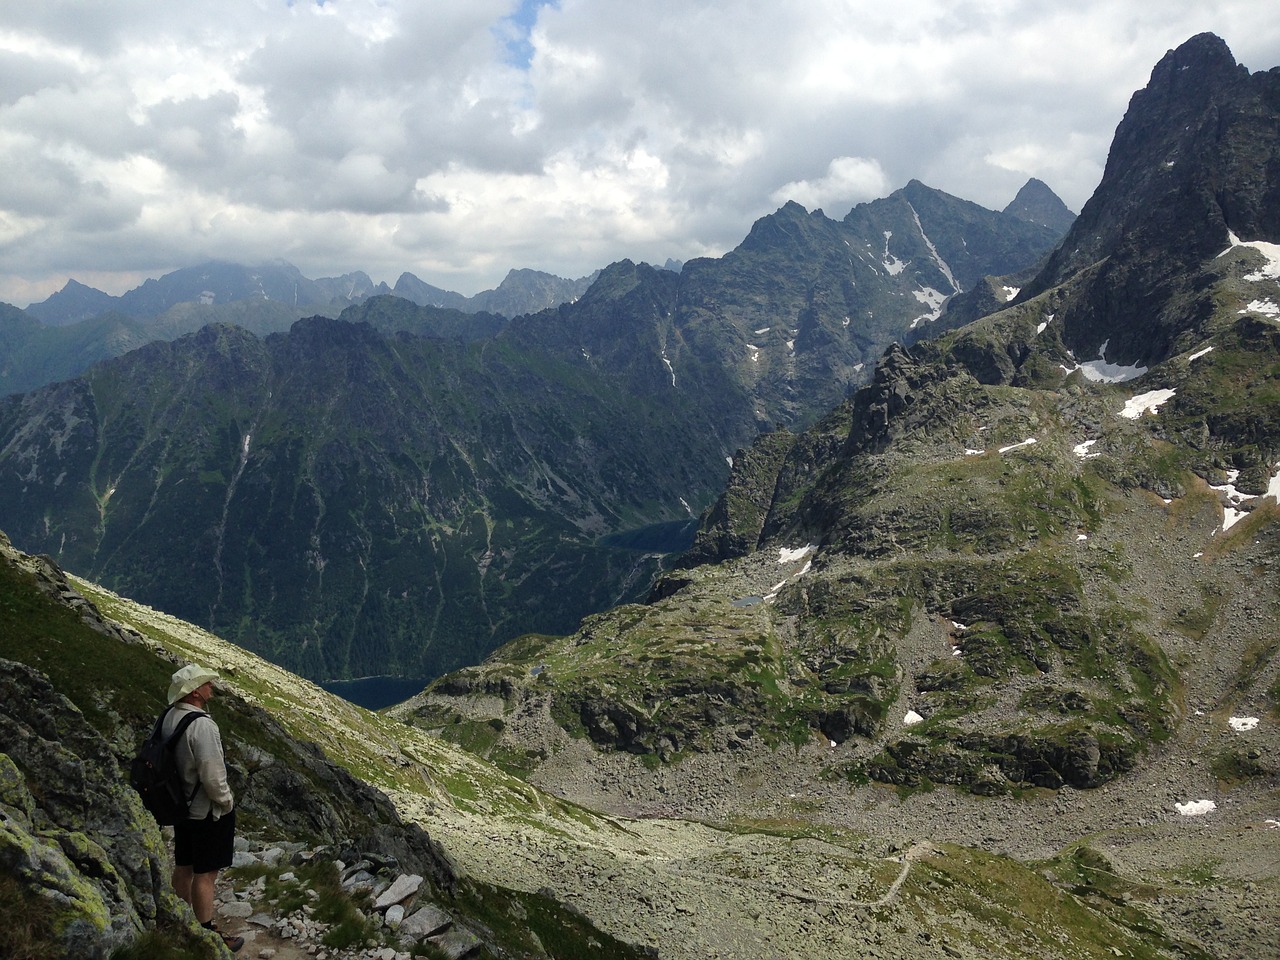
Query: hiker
column 204, row 841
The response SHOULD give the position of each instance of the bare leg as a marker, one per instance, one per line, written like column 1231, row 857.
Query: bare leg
column 202, row 894
column 182, row 882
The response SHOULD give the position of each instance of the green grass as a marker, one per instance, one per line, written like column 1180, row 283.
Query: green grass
column 29, row 928
column 1073, row 899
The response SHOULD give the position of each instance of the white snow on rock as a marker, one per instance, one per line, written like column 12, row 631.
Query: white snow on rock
column 931, row 298
column 969, row 452
column 790, row 556
column 1273, row 824
column 1144, row 402
column 892, row 265
column 1010, row 293
column 1040, row 328
column 933, row 252
column 1014, row 446
column 1231, row 512
column 1243, row 724
column 755, row 352
column 1099, row 371
column 1271, row 251
column 1196, row 808
column 1267, row 308
column 911, row 719
column 1081, row 450
column 763, row 330
column 1198, row 354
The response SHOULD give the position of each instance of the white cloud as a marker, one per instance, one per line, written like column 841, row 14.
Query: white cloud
column 460, row 138
column 848, row 180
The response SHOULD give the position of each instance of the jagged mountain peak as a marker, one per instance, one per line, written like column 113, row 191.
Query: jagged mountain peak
column 1037, row 203
column 1191, row 162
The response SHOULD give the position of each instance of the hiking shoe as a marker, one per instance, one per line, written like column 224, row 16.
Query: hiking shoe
column 233, row 942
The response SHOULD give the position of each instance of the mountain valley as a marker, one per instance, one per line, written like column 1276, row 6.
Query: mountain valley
column 401, row 489
column 973, row 651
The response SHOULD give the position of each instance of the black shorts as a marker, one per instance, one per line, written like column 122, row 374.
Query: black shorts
column 205, row 845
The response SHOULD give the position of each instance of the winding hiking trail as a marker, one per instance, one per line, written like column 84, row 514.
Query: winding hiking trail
column 918, row 850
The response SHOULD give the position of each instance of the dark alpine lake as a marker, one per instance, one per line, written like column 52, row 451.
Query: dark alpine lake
column 374, row 693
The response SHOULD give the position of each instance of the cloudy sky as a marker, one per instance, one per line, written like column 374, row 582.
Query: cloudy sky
column 456, row 139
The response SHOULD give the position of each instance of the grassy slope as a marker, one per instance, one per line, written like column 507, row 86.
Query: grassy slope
column 683, row 886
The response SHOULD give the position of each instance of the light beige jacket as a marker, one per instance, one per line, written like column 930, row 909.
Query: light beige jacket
column 199, row 758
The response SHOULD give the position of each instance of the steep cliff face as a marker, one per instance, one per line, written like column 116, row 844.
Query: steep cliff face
column 1194, row 160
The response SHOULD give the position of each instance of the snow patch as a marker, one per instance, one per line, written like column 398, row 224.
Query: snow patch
column 1081, row 450
column 1010, row 293
column 973, row 453
column 1231, row 512
column 786, row 555
column 1199, row 353
column 1196, row 808
column 1267, row 308
column 931, row 298
column 1271, row 251
column 892, row 265
column 1243, row 724
column 911, row 719
column 763, row 330
column 670, row 368
column 1014, row 446
column 1144, row 402
column 1040, row 328
column 729, row 461
column 933, row 251
column 755, row 352
column 1100, row 371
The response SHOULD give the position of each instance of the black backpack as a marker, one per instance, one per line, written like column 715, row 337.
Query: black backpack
column 154, row 772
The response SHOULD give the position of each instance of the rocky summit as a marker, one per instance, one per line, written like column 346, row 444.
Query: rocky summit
column 981, row 662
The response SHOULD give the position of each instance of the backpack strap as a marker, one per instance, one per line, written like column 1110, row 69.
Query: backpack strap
column 187, row 720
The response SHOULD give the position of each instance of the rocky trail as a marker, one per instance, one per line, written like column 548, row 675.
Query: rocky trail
column 278, row 899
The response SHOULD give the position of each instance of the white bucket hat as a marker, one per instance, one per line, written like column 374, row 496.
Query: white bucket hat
column 187, row 679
